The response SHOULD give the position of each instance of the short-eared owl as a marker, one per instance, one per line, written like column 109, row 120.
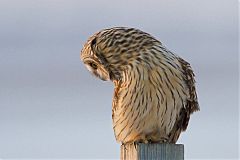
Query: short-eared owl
column 154, row 92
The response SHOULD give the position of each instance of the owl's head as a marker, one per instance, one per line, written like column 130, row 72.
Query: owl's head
column 92, row 61
column 108, row 53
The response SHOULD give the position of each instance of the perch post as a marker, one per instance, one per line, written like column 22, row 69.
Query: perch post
column 155, row 151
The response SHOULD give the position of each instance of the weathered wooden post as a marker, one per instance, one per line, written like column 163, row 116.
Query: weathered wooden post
column 154, row 151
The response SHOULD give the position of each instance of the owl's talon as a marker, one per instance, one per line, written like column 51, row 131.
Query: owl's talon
column 150, row 141
column 124, row 146
column 135, row 145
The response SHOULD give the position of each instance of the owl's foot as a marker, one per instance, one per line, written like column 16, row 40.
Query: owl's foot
column 163, row 140
column 129, row 143
column 135, row 144
column 150, row 141
column 123, row 144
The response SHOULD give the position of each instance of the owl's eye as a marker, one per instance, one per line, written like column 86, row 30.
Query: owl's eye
column 93, row 65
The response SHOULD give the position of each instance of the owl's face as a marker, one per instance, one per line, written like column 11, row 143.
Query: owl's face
column 96, row 68
column 92, row 62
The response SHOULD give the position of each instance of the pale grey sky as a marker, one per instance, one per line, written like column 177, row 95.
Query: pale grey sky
column 52, row 107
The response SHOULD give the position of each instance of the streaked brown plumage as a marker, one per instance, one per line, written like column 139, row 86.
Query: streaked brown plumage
column 154, row 91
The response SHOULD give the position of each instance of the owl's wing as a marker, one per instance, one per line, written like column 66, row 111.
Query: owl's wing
column 191, row 104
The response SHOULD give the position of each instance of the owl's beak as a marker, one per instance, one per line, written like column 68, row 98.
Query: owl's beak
column 102, row 74
column 103, row 78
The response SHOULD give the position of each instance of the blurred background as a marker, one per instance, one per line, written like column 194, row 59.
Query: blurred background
column 52, row 107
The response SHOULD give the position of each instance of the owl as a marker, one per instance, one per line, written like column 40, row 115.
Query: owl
column 154, row 89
